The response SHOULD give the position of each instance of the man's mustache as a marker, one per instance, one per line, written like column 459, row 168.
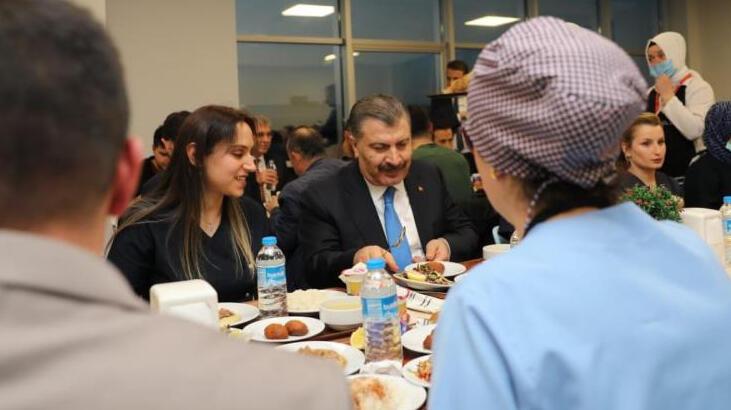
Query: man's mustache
column 392, row 167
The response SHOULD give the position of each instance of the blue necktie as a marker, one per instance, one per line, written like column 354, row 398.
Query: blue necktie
column 401, row 252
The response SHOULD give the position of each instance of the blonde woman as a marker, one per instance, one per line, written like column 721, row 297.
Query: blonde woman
column 197, row 224
column 643, row 154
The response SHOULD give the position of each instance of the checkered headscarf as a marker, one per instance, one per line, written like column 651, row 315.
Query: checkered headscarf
column 718, row 130
column 549, row 99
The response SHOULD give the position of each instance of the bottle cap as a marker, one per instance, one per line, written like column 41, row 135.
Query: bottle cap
column 375, row 263
column 269, row 240
column 727, row 200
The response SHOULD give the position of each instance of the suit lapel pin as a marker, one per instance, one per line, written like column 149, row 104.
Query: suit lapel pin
column 420, row 188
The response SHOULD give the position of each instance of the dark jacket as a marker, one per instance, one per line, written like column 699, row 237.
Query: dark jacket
column 339, row 218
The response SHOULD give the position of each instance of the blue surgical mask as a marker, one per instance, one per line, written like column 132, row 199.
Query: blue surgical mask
column 666, row 67
column 728, row 145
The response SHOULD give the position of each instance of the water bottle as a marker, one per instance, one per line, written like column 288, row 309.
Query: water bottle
column 272, row 166
column 271, row 279
column 381, row 321
column 726, row 216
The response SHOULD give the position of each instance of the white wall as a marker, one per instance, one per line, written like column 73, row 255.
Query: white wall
column 705, row 24
column 98, row 8
column 177, row 55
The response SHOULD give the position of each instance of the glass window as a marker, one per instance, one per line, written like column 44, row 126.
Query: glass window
column 265, row 17
column 407, row 76
column 582, row 12
column 292, row 85
column 468, row 10
column 634, row 22
column 396, row 20
column 468, row 55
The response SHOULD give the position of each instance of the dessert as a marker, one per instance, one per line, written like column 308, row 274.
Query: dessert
column 275, row 331
column 296, row 328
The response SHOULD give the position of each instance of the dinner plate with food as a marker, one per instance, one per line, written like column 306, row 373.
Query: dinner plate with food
column 349, row 358
column 284, row 329
column 307, row 302
column 424, row 278
column 380, row 391
column 446, row 268
column 419, row 339
column 232, row 314
column 418, row 371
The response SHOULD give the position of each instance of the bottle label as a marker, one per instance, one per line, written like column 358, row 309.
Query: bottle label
column 271, row 275
column 380, row 308
column 727, row 226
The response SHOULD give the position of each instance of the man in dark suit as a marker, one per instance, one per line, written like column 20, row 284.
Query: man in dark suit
column 306, row 150
column 381, row 205
column 264, row 151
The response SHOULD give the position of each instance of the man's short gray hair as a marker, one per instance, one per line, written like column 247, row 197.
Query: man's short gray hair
column 384, row 108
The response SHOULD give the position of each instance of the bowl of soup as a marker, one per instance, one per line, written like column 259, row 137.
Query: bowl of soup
column 342, row 313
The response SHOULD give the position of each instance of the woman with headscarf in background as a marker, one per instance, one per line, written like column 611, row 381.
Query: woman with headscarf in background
column 680, row 97
column 599, row 306
column 709, row 178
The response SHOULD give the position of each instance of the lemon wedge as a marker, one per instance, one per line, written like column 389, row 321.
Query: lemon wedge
column 357, row 338
column 414, row 275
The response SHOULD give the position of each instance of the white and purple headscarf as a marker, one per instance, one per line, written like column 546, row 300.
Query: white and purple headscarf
column 718, row 130
column 549, row 99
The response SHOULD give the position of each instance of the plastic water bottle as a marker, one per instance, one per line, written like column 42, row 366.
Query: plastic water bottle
column 271, row 279
column 726, row 215
column 381, row 321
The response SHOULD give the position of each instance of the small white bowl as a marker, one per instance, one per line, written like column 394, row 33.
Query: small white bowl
column 342, row 313
column 491, row 251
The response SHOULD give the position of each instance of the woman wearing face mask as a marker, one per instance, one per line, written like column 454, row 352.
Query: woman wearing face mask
column 196, row 224
column 709, row 178
column 643, row 153
column 680, row 97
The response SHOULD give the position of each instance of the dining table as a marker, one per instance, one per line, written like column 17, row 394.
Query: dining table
column 417, row 318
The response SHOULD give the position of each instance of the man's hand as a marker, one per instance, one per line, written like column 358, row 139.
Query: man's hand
column 665, row 88
column 267, row 176
column 370, row 252
column 437, row 250
column 272, row 203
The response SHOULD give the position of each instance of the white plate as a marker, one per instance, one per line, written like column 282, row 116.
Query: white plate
column 324, row 294
column 246, row 312
column 354, row 357
column 401, row 279
column 414, row 338
column 256, row 329
column 404, row 395
column 409, row 372
column 450, row 268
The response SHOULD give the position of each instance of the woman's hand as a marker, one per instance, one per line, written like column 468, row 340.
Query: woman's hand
column 665, row 88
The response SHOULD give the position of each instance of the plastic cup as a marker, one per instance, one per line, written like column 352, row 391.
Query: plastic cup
column 353, row 283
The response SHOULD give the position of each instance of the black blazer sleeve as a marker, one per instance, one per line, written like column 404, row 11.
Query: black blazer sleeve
column 321, row 243
column 256, row 219
column 285, row 220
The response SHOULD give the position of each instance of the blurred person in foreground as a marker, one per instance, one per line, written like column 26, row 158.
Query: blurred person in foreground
column 599, row 306
column 73, row 334
column 708, row 179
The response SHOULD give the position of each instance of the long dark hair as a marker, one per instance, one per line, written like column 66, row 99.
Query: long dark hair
column 179, row 196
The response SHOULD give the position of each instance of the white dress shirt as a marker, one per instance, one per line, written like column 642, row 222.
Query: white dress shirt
column 403, row 209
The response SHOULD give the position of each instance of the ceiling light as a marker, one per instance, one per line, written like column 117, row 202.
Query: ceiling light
column 491, row 21
column 309, row 10
column 330, row 57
